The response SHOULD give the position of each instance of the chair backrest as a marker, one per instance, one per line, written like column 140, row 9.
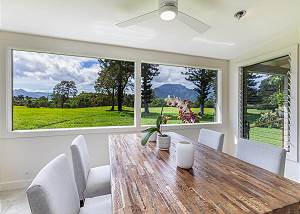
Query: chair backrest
column 80, row 157
column 53, row 191
column 212, row 139
column 262, row 155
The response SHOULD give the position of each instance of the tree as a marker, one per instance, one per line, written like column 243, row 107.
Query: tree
column 114, row 77
column 205, row 81
column 125, row 72
column 149, row 71
column 63, row 91
column 271, row 91
column 251, row 81
column 19, row 100
column 106, row 80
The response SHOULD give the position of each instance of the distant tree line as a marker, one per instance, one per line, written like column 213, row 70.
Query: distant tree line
column 114, row 86
column 82, row 100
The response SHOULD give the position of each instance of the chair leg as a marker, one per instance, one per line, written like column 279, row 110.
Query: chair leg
column 81, row 203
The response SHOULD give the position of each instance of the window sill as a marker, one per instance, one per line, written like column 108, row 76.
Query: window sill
column 68, row 131
column 99, row 130
column 186, row 126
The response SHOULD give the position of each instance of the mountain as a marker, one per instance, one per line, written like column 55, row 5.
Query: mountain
column 175, row 90
column 18, row 92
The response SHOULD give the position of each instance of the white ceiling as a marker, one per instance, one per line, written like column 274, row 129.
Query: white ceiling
column 94, row 20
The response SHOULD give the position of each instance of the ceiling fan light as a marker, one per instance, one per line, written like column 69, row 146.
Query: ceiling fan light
column 168, row 13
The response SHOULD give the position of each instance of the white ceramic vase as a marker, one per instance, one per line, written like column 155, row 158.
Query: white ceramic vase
column 185, row 155
column 163, row 142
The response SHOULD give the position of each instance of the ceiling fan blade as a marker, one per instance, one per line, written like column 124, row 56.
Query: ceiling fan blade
column 138, row 19
column 193, row 23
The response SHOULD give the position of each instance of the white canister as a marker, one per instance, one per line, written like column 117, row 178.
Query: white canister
column 163, row 142
column 185, row 155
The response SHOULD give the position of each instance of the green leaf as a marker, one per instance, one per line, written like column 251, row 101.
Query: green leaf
column 162, row 109
column 158, row 121
column 148, row 135
column 151, row 129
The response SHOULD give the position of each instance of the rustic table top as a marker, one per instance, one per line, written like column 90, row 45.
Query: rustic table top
column 146, row 180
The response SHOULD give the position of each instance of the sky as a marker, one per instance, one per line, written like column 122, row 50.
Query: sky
column 171, row 75
column 40, row 72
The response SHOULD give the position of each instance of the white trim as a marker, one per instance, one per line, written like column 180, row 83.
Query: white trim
column 219, row 104
column 180, row 65
column 184, row 126
column 114, row 129
column 138, row 99
column 8, row 92
column 69, row 131
column 291, row 51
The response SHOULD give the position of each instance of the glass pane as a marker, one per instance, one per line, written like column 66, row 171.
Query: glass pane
column 58, row 91
column 188, row 95
column 266, row 101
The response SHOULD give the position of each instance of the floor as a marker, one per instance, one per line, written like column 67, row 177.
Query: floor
column 14, row 202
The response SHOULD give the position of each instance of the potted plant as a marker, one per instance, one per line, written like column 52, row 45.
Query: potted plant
column 163, row 140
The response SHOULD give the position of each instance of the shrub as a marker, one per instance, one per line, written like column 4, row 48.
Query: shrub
column 272, row 119
column 157, row 102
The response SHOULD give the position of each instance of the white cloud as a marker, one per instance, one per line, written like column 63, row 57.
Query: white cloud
column 40, row 71
column 171, row 75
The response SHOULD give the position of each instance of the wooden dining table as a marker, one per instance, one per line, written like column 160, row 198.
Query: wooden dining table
column 145, row 179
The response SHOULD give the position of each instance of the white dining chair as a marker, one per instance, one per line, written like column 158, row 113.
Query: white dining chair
column 262, row 155
column 53, row 191
column 212, row 139
column 91, row 182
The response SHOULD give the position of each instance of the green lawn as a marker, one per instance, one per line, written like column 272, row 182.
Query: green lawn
column 149, row 119
column 262, row 134
column 44, row 118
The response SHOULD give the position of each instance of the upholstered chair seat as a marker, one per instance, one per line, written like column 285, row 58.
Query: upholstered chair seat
column 53, row 191
column 262, row 155
column 212, row 139
column 91, row 182
column 98, row 182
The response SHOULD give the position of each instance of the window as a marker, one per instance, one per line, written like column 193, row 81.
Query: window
column 189, row 95
column 53, row 91
column 59, row 91
column 266, row 103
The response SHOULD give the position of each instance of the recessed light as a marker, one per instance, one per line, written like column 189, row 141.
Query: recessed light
column 240, row 14
column 168, row 13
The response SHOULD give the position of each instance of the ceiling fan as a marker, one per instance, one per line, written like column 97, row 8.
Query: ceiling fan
column 168, row 10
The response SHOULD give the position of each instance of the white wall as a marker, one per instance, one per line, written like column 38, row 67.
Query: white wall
column 274, row 44
column 22, row 155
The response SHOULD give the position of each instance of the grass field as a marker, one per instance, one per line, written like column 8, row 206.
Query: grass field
column 261, row 134
column 149, row 119
column 44, row 118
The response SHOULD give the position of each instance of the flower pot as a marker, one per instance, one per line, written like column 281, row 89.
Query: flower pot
column 184, row 155
column 163, row 142
column 153, row 137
